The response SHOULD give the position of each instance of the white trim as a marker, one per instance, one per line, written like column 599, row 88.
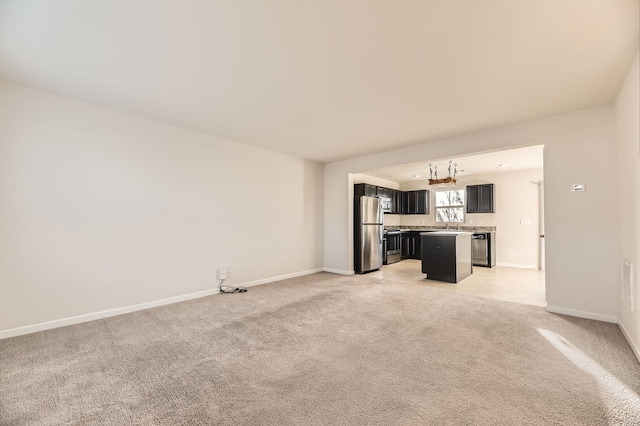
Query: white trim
column 634, row 347
column 582, row 314
column 27, row 329
column 279, row 278
column 516, row 265
column 102, row 314
column 338, row 271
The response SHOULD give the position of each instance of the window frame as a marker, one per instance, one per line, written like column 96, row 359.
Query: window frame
column 450, row 207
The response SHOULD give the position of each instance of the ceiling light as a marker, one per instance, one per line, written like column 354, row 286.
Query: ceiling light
column 416, row 176
column 502, row 165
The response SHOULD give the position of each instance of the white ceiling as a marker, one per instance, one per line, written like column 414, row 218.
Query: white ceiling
column 324, row 79
column 511, row 160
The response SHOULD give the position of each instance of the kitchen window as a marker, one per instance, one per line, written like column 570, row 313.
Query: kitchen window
column 450, row 206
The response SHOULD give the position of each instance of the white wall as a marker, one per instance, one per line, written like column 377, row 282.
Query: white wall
column 582, row 266
column 101, row 210
column 516, row 198
column 628, row 126
column 372, row 180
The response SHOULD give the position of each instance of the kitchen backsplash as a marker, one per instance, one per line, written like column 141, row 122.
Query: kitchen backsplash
column 488, row 219
column 392, row 220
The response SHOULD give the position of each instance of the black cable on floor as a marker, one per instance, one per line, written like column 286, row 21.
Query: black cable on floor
column 231, row 289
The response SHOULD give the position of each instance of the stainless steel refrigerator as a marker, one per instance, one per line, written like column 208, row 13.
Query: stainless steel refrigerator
column 368, row 234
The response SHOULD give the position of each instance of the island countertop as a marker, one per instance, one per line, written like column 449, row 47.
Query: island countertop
column 444, row 232
column 426, row 228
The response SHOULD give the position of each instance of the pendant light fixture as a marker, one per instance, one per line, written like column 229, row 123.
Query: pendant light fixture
column 448, row 181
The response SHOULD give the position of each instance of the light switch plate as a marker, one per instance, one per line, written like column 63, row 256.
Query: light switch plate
column 525, row 222
column 578, row 187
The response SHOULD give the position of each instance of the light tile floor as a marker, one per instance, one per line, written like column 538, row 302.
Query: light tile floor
column 512, row 284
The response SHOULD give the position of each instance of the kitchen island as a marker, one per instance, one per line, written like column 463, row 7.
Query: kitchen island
column 446, row 255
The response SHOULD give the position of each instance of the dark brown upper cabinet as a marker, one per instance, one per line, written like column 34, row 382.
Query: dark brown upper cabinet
column 480, row 198
column 402, row 202
column 365, row 190
column 415, row 202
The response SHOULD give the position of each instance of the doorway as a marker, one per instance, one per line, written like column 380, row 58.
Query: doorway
column 517, row 175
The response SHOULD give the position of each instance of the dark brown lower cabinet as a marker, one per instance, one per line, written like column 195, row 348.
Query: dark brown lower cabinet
column 411, row 245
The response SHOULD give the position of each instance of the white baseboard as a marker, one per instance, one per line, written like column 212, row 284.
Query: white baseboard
column 632, row 344
column 582, row 314
column 279, row 278
column 338, row 271
column 27, row 329
column 605, row 318
column 102, row 314
column 516, row 265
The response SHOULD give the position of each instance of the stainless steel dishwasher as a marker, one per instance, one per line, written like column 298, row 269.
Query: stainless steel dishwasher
column 483, row 249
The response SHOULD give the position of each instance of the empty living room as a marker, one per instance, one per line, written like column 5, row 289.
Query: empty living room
column 178, row 219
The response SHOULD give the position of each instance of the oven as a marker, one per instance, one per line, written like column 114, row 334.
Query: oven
column 394, row 247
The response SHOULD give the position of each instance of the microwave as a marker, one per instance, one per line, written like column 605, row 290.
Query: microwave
column 386, row 204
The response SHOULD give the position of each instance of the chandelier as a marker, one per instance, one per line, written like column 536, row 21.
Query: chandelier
column 448, row 181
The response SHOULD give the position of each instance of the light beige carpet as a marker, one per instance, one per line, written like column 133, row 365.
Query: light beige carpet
column 324, row 350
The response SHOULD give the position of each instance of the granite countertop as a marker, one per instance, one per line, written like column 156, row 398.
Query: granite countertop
column 452, row 232
column 423, row 228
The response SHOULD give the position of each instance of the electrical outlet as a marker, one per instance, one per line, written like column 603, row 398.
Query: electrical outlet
column 525, row 222
column 307, row 256
column 478, row 222
column 470, row 221
column 223, row 270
